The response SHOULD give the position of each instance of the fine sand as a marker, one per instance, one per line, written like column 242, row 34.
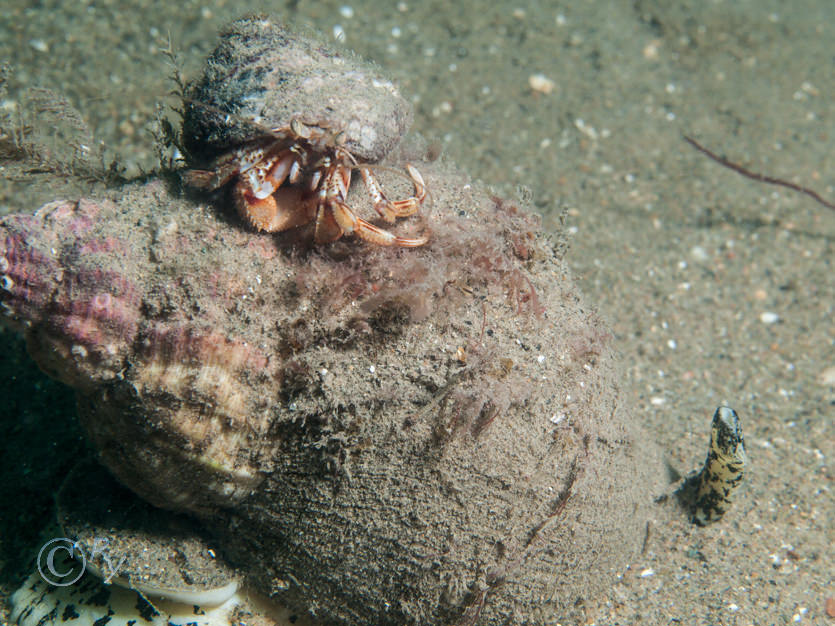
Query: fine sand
column 719, row 289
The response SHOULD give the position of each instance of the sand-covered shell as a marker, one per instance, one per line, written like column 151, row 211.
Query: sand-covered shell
column 262, row 75
column 371, row 436
column 377, row 436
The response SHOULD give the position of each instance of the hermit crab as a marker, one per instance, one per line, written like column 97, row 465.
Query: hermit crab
column 287, row 121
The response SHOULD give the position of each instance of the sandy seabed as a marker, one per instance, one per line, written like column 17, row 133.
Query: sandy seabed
column 719, row 290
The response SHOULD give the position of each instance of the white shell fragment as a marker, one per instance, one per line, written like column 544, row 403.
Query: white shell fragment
column 89, row 601
column 541, row 83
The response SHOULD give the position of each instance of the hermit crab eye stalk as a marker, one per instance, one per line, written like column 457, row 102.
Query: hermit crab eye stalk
column 320, row 117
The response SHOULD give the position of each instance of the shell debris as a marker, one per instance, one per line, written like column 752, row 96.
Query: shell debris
column 541, row 83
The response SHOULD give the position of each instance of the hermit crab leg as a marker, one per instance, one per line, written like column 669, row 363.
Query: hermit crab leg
column 268, row 174
column 350, row 223
column 337, row 181
column 336, row 190
column 387, row 209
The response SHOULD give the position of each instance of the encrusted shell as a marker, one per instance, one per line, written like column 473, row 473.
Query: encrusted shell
column 375, row 438
column 261, row 76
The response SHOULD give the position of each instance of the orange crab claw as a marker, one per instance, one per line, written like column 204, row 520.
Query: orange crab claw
column 285, row 209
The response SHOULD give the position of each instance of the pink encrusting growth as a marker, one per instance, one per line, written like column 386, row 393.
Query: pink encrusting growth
column 79, row 319
column 103, row 311
column 27, row 275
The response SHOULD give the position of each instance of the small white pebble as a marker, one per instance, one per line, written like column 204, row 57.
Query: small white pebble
column 556, row 418
column 671, row 344
column 540, row 359
column 323, row 371
column 827, row 376
column 396, row 32
column 651, row 50
column 586, row 129
column 339, row 33
column 647, row 573
column 768, row 317
column 372, row 369
column 656, row 401
column 541, row 83
column 39, row 44
column 346, row 11
column 733, row 607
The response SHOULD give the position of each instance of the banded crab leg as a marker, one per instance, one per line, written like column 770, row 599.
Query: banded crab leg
column 387, row 209
column 335, row 214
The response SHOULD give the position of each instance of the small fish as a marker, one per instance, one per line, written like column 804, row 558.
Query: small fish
column 723, row 470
